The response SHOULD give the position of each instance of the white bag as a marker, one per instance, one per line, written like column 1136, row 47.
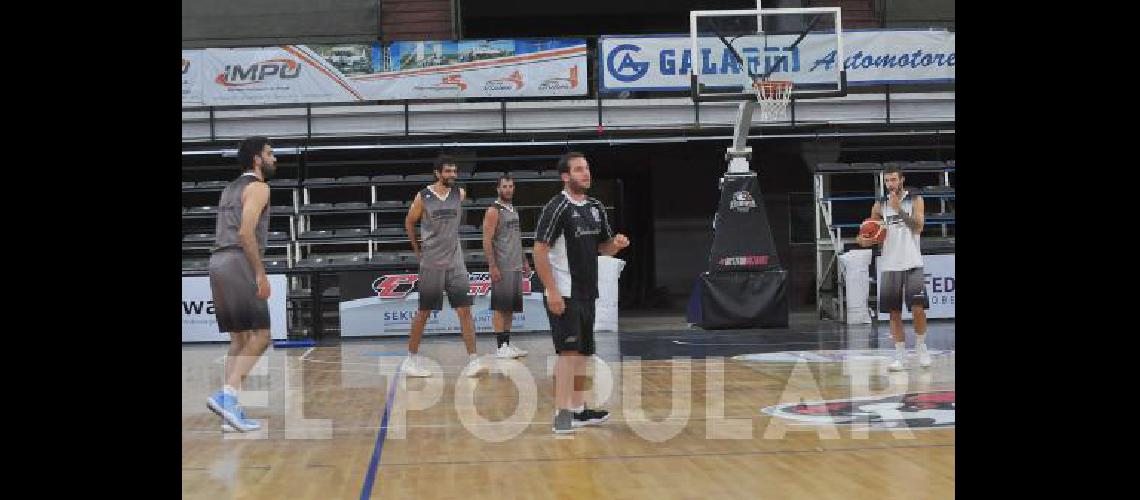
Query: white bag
column 606, row 306
column 855, row 266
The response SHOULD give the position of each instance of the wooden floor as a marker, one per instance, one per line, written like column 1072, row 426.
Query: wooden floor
column 332, row 431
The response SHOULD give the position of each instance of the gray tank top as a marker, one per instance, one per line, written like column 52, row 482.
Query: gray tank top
column 507, row 239
column 439, row 228
column 229, row 217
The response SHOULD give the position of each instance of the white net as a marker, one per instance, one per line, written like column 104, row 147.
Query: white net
column 774, row 97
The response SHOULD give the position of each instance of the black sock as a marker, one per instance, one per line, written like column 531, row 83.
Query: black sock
column 502, row 338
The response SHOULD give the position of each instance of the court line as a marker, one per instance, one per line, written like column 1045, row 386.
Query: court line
column 369, row 479
column 839, row 343
column 539, row 371
column 623, row 419
column 751, row 367
column 619, row 365
column 676, row 455
column 735, row 365
column 645, row 362
column 650, row 364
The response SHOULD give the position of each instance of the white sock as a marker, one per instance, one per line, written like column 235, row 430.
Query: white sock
column 900, row 349
column 920, row 339
column 581, row 408
column 229, row 390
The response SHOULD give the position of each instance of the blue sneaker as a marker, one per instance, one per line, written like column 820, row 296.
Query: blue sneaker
column 226, row 406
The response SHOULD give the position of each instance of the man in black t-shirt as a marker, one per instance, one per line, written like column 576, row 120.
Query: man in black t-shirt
column 572, row 230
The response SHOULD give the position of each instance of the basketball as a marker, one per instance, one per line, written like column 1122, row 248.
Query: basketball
column 874, row 230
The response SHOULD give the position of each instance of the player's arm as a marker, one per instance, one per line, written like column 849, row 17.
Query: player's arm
column 917, row 220
column 545, row 233
column 414, row 213
column 544, row 270
column 490, row 223
column 254, row 199
column 613, row 245
column 876, row 214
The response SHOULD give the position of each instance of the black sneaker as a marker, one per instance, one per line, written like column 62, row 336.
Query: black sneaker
column 590, row 417
column 564, row 422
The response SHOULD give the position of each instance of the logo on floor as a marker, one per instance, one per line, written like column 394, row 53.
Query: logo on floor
column 916, row 410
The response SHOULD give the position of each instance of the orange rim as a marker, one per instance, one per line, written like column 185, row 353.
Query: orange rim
column 773, row 85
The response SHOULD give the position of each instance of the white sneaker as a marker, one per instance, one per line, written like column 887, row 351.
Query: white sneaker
column 923, row 356
column 896, row 365
column 505, row 352
column 413, row 369
column 518, row 352
column 475, row 367
column 248, row 424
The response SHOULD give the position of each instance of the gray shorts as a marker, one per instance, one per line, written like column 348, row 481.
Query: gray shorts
column 900, row 287
column 234, row 287
column 433, row 283
column 506, row 294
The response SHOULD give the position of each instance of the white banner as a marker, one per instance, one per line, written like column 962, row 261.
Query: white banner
column 662, row 62
column 297, row 74
column 191, row 77
column 199, row 323
column 286, row 74
column 560, row 72
column 938, row 275
column 390, row 312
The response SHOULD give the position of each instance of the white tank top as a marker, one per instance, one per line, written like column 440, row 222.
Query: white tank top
column 901, row 250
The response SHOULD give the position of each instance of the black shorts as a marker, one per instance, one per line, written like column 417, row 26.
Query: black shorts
column 574, row 329
column 900, row 287
column 433, row 283
column 506, row 294
column 234, row 287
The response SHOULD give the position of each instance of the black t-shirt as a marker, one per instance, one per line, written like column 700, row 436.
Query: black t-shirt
column 573, row 232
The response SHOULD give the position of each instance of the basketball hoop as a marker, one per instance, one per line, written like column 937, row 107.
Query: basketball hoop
column 773, row 96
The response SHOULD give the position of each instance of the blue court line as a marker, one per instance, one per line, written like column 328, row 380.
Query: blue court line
column 294, row 343
column 366, row 490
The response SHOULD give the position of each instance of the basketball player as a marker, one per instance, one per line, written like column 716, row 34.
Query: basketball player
column 901, row 264
column 572, row 230
column 502, row 244
column 237, row 276
column 438, row 208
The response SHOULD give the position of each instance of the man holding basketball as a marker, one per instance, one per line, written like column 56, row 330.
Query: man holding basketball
column 901, row 264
